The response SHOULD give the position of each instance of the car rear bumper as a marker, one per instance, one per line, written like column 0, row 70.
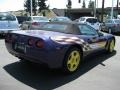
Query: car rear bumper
column 54, row 59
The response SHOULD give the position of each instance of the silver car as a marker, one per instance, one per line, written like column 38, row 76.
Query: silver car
column 8, row 22
column 34, row 22
column 111, row 26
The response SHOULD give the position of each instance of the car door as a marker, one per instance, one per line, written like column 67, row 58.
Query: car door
column 92, row 37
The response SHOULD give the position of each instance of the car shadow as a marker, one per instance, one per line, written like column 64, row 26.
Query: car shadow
column 2, row 37
column 42, row 78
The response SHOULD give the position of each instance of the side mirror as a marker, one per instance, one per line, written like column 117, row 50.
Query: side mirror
column 100, row 34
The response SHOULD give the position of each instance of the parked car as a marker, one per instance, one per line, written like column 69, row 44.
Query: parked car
column 92, row 21
column 111, row 26
column 58, row 44
column 8, row 22
column 34, row 22
column 60, row 19
column 21, row 19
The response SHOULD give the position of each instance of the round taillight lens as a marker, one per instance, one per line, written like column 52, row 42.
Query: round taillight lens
column 30, row 42
column 35, row 23
column 40, row 43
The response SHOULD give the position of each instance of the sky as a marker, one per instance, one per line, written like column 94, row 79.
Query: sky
column 14, row 5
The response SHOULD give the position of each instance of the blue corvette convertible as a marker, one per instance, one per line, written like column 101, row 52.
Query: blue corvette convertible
column 58, row 44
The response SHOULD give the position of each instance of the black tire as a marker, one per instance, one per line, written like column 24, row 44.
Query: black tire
column 72, row 63
column 110, row 46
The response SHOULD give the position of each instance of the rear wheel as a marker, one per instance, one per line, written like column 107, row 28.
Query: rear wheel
column 111, row 45
column 72, row 60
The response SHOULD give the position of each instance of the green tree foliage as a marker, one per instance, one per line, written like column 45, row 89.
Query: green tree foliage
column 34, row 4
column 42, row 6
column 91, row 4
column 69, row 5
column 79, row 1
column 27, row 5
column 84, row 5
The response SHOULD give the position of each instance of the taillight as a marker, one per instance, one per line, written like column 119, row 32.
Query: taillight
column 115, row 25
column 31, row 42
column 39, row 43
column 35, row 23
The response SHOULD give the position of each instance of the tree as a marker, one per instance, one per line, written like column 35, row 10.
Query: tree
column 79, row 1
column 27, row 6
column 91, row 4
column 34, row 4
column 42, row 6
column 69, row 5
column 84, row 5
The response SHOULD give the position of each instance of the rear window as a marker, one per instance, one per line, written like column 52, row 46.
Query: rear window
column 40, row 18
column 57, row 27
column 7, row 17
column 92, row 20
column 60, row 19
column 117, row 21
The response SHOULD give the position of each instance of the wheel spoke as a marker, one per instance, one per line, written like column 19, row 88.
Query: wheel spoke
column 73, row 60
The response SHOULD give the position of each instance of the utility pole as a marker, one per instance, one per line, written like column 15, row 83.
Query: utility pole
column 96, row 3
column 112, row 10
column 95, row 8
column 31, row 8
column 117, row 7
column 102, row 13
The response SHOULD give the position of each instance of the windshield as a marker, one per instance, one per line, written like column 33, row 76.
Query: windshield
column 92, row 20
column 7, row 17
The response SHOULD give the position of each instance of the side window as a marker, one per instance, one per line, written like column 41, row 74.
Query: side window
column 7, row 17
column 87, row 30
column 11, row 17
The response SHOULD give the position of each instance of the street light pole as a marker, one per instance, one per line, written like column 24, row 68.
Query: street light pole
column 117, row 7
column 95, row 8
column 102, row 13
column 112, row 10
column 31, row 8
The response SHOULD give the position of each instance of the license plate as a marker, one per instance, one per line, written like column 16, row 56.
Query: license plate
column 20, row 47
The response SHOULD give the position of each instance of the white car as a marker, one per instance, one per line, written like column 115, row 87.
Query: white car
column 8, row 22
column 92, row 21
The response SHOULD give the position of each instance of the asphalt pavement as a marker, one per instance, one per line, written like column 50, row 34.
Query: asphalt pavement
column 98, row 72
